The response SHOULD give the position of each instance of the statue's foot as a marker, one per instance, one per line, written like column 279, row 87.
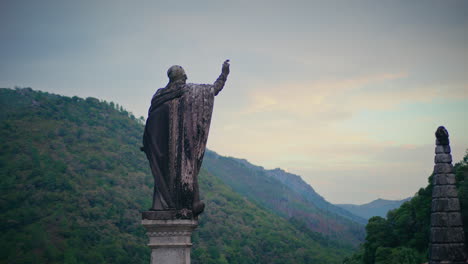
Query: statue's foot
column 198, row 208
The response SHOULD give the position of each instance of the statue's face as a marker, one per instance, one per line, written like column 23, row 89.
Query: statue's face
column 176, row 73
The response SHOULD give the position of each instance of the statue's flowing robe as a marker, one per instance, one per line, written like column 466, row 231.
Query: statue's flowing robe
column 174, row 141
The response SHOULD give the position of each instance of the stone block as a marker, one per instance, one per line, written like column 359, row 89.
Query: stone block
column 442, row 143
column 167, row 215
column 444, row 179
column 443, row 168
column 446, row 219
column 445, row 205
column 170, row 240
column 451, row 252
column 442, row 149
column 443, row 158
column 447, row 235
column 444, row 191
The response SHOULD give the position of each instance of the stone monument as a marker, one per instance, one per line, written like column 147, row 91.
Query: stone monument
column 447, row 240
column 174, row 142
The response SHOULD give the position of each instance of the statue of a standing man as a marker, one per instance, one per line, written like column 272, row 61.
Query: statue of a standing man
column 175, row 138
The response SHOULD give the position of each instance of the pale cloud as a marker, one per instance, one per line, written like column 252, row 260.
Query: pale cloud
column 310, row 98
column 390, row 98
column 338, row 99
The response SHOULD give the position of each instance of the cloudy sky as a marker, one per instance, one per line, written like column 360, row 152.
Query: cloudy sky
column 347, row 94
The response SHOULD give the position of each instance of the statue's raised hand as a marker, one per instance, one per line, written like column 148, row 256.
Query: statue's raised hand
column 219, row 83
column 225, row 69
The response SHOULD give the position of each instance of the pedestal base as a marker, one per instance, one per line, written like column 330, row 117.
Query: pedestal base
column 170, row 240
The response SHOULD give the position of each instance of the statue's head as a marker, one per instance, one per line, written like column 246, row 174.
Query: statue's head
column 176, row 74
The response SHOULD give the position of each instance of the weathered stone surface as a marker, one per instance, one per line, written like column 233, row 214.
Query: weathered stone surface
column 444, row 179
column 447, row 238
column 445, row 205
column 443, row 158
column 442, row 149
column 444, row 191
column 170, row 240
column 447, row 235
column 440, row 143
column 167, row 215
column 443, row 168
column 446, row 219
column 453, row 252
column 442, row 136
column 455, row 219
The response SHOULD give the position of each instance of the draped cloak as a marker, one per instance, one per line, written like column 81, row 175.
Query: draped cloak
column 174, row 141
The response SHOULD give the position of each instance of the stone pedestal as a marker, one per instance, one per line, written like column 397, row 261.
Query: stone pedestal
column 170, row 240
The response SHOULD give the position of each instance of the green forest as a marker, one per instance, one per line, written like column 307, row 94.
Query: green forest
column 74, row 182
column 403, row 236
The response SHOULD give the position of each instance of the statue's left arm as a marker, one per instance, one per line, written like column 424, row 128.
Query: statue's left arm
column 219, row 83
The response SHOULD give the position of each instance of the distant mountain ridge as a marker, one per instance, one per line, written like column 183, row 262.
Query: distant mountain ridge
column 287, row 195
column 296, row 183
column 378, row 207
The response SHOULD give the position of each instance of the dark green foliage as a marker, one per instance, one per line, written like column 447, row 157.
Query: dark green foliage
column 461, row 175
column 404, row 236
column 73, row 182
column 399, row 255
column 235, row 230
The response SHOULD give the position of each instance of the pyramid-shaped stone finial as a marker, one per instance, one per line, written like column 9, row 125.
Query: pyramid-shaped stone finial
column 447, row 240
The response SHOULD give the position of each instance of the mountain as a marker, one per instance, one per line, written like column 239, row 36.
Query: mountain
column 73, row 183
column 286, row 195
column 296, row 183
column 379, row 207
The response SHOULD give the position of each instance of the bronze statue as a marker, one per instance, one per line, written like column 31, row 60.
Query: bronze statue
column 175, row 138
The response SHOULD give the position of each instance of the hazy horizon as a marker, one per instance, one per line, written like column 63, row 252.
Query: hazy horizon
column 346, row 94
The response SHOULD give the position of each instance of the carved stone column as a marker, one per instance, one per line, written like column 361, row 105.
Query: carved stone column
column 170, row 240
column 447, row 236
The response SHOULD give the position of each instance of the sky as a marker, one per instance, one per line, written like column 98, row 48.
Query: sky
column 346, row 94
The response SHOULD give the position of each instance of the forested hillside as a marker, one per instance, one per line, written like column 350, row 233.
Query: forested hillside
column 403, row 238
column 73, row 183
column 285, row 195
column 235, row 230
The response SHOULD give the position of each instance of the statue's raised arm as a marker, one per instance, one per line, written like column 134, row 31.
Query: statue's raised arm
column 219, row 83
